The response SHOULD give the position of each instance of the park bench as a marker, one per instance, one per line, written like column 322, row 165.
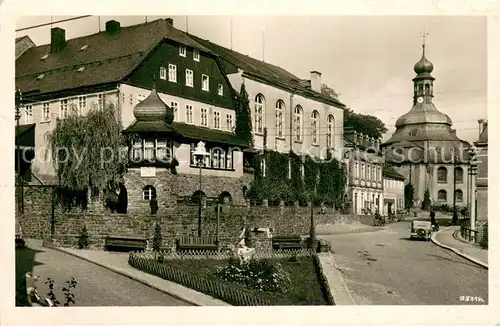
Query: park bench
column 294, row 242
column 203, row 243
column 130, row 243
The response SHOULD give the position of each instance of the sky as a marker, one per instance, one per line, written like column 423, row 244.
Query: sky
column 367, row 59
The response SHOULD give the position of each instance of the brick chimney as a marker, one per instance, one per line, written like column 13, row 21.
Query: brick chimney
column 112, row 27
column 170, row 21
column 57, row 39
column 316, row 81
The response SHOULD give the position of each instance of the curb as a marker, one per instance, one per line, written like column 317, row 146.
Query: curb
column 174, row 295
column 456, row 251
column 336, row 282
column 363, row 230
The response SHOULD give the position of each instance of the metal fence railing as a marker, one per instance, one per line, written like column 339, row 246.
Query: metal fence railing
column 478, row 236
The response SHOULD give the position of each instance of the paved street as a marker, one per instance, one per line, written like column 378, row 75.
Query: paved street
column 385, row 268
column 96, row 286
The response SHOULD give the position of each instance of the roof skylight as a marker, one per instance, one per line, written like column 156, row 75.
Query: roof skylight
column 84, row 47
column 44, row 57
column 40, row 76
column 81, row 69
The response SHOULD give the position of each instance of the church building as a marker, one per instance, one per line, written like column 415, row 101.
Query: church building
column 426, row 150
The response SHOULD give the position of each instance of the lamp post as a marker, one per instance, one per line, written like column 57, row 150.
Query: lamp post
column 200, row 153
column 472, row 173
column 18, row 99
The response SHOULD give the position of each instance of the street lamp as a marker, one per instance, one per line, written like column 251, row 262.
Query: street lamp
column 199, row 154
column 472, row 185
column 18, row 99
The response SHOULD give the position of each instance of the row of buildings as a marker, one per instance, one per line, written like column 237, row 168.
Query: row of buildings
column 172, row 89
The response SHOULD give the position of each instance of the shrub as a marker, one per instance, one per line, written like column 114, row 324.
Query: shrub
column 157, row 240
column 426, row 203
column 261, row 275
column 83, row 239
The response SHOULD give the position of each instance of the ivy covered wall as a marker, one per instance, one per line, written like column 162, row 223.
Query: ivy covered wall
column 291, row 178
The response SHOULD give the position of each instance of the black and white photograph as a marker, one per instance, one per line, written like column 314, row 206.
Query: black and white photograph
column 233, row 160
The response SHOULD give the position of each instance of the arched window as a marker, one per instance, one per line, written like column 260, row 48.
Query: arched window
column 225, row 197
column 330, row 130
column 459, row 175
column 442, row 195
column 258, row 113
column 459, row 195
column 280, row 118
column 442, row 175
column 197, row 195
column 297, row 122
column 315, row 127
column 148, row 193
column 427, row 89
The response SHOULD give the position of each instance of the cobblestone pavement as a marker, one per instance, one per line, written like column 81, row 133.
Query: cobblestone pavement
column 386, row 268
column 96, row 286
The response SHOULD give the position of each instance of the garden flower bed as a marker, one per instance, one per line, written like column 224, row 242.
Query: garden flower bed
column 300, row 276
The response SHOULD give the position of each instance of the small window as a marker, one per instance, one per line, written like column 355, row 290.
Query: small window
column 220, row 90
column 82, row 105
column 459, row 195
column 196, row 55
column 229, row 122
column 28, row 114
column 189, row 113
column 163, row 73
column 205, row 83
column 46, row 111
column 63, row 112
column 442, row 195
column 148, row 193
column 182, row 50
column 413, row 132
column 189, row 78
column 172, row 73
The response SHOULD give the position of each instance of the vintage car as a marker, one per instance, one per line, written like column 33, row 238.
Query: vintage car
column 421, row 229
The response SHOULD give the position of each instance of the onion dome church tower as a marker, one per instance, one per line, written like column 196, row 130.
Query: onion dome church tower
column 425, row 148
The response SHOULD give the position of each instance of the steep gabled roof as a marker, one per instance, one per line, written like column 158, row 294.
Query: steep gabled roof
column 273, row 75
column 106, row 57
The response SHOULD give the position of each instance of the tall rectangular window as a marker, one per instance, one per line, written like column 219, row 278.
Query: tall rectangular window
column 205, row 83
column 149, row 149
column 82, row 105
column 216, row 119
column 196, row 55
column 175, row 108
column 229, row 122
column 172, row 73
column 28, row 114
column 46, row 111
column 220, row 89
column 163, row 73
column 189, row 78
column 189, row 113
column 101, row 101
column 204, row 120
column 63, row 109
column 137, row 151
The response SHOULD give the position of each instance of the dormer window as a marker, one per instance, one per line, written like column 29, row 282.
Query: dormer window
column 182, row 50
column 84, row 47
column 196, row 55
column 44, row 57
column 413, row 132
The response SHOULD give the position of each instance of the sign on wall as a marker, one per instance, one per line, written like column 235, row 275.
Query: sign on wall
column 148, row 171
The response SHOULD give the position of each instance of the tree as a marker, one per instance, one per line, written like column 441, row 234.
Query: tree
column 328, row 91
column 243, row 116
column 366, row 124
column 426, row 203
column 409, row 193
column 86, row 151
